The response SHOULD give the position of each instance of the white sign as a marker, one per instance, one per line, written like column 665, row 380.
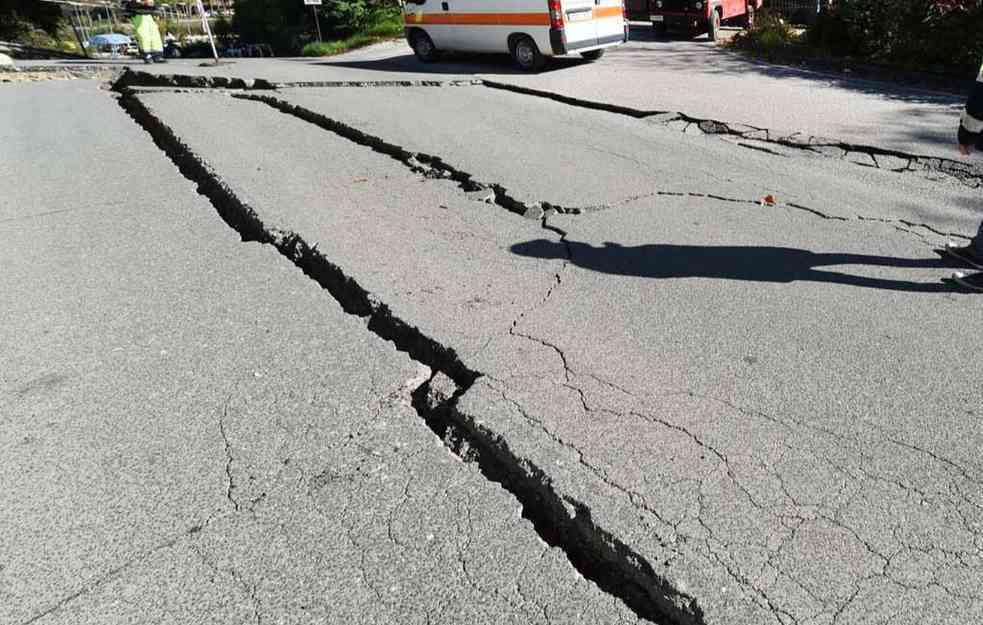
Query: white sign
column 312, row 2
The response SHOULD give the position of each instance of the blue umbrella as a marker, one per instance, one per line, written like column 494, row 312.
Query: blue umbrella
column 110, row 39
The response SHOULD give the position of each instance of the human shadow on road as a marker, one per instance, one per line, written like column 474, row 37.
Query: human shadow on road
column 751, row 263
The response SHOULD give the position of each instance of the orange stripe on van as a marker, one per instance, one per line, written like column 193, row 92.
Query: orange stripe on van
column 481, row 19
column 602, row 12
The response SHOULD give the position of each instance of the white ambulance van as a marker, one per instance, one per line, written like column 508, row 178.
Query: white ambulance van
column 529, row 30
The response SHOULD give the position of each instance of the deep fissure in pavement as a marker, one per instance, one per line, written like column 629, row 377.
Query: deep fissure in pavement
column 130, row 78
column 969, row 175
column 425, row 164
column 434, row 167
column 965, row 173
column 560, row 521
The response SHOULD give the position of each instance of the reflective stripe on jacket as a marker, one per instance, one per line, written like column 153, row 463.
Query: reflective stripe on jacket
column 147, row 34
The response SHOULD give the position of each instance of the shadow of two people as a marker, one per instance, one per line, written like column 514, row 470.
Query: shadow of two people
column 748, row 263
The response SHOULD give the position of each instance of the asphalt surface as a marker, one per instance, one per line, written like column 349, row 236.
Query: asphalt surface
column 569, row 157
column 194, row 431
column 721, row 408
column 652, row 75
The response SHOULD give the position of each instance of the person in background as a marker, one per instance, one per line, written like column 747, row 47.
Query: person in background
column 970, row 132
column 146, row 31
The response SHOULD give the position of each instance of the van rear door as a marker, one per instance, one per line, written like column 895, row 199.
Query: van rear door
column 609, row 21
column 578, row 18
column 591, row 23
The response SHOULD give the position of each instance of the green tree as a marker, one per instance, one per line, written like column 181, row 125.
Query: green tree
column 287, row 24
column 19, row 15
column 276, row 22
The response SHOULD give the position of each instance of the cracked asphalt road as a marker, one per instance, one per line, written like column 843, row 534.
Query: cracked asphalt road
column 193, row 431
column 547, row 364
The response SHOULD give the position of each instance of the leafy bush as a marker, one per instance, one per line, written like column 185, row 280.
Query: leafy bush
column 916, row 34
column 385, row 22
column 770, row 32
column 222, row 29
column 287, row 26
column 906, row 32
column 341, row 18
column 19, row 17
column 381, row 25
column 276, row 22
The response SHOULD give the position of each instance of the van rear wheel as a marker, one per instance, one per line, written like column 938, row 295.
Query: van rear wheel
column 526, row 55
column 592, row 55
column 423, row 47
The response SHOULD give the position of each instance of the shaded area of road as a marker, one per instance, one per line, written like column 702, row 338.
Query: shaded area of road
column 748, row 263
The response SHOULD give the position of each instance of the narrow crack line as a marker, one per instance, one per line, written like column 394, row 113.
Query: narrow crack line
column 722, row 457
column 560, row 520
column 759, row 148
column 817, row 213
column 742, row 580
column 737, row 200
column 599, row 555
column 547, row 344
column 114, row 573
column 39, row 215
column 250, row 589
column 229, row 480
column 636, row 498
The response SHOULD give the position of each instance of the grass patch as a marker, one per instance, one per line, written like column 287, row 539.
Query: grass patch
column 386, row 26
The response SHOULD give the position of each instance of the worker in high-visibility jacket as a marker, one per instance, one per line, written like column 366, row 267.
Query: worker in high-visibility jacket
column 147, row 33
column 970, row 133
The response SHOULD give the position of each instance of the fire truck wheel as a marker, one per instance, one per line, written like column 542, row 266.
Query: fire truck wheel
column 526, row 55
column 423, row 47
column 713, row 31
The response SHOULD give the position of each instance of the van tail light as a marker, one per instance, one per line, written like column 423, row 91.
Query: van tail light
column 556, row 15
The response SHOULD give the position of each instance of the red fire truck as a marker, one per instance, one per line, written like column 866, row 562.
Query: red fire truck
column 693, row 15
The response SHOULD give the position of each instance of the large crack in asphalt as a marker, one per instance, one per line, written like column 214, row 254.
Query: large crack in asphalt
column 427, row 165
column 138, row 79
column 615, row 567
column 560, row 521
column 432, row 166
column 749, row 137
column 755, row 136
